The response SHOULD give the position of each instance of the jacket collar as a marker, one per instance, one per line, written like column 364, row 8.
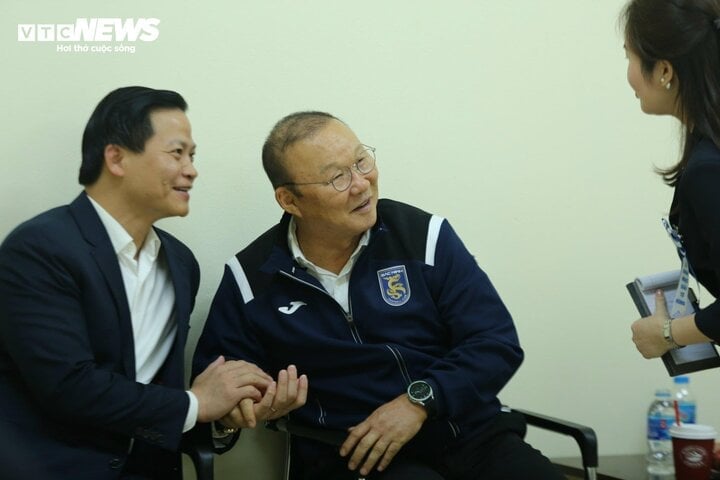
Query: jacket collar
column 281, row 258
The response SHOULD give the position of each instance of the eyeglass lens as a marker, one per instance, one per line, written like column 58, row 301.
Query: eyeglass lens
column 365, row 164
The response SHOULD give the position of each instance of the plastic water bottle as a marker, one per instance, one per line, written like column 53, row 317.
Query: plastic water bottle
column 685, row 399
column 661, row 416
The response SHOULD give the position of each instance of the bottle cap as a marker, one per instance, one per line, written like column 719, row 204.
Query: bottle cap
column 662, row 392
column 681, row 379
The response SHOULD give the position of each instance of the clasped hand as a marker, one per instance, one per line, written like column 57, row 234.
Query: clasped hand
column 280, row 397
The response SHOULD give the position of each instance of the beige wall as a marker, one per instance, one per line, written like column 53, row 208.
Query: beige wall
column 512, row 119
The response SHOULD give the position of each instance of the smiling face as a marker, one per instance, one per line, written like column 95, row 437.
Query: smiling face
column 321, row 212
column 157, row 181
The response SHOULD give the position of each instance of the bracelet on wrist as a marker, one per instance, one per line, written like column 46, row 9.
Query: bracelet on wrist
column 667, row 334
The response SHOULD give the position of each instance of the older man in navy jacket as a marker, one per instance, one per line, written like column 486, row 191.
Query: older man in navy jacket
column 94, row 311
column 404, row 341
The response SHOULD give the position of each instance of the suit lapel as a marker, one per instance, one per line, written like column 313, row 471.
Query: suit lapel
column 102, row 250
column 180, row 277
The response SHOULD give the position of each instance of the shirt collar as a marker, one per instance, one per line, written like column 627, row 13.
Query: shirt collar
column 121, row 239
column 300, row 257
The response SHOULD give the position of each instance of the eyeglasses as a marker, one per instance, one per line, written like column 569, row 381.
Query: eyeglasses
column 342, row 177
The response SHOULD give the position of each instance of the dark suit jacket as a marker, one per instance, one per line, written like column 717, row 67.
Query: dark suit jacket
column 69, row 403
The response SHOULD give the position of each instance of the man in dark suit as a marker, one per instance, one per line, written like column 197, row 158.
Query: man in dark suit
column 94, row 311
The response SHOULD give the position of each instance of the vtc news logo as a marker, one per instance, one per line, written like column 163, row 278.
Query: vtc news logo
column 91, row 30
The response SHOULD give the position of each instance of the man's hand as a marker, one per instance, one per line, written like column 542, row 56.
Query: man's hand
column 281, row 397
column 383, row 434
column 648, row 331
column 224, row 384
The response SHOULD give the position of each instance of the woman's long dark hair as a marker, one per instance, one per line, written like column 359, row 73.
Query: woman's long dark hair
column 686, row 33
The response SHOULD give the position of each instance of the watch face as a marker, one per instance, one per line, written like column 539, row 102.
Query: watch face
column 420, row 390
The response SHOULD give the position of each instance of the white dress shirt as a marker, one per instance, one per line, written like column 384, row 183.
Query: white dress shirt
column 335, row 284
column 151, row 300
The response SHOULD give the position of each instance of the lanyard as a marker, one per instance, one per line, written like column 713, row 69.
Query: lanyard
column 680, row 303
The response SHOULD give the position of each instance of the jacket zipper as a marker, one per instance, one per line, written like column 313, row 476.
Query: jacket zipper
column 348, row 318
column 348, row 315
column 356, row 336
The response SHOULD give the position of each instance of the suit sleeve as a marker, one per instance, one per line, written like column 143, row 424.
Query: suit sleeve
column 46, row 331
column 485, row 351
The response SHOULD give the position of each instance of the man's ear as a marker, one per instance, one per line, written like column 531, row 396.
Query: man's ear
column 287, row 201
column 114, row 155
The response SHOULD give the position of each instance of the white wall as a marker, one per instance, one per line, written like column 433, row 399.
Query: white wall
column 512, row 119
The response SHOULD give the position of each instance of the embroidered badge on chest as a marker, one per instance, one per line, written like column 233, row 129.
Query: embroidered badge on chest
column 394, row 285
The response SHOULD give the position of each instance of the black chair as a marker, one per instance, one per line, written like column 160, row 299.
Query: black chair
column 583, row 435
column 197, row 444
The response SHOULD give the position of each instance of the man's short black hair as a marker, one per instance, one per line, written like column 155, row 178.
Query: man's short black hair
column 122, row 118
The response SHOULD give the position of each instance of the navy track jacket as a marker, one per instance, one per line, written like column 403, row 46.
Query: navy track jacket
column 420, row 309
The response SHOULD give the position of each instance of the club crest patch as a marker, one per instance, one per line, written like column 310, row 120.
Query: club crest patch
column 394, row 285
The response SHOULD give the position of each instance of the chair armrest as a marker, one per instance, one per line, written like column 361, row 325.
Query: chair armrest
column 331, row 437
column 583, row 435
column 198, row 445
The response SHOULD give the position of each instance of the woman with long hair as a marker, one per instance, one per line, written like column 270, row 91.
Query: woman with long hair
column 673, row 51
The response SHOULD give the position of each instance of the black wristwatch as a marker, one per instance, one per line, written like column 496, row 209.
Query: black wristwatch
column 421, row 393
